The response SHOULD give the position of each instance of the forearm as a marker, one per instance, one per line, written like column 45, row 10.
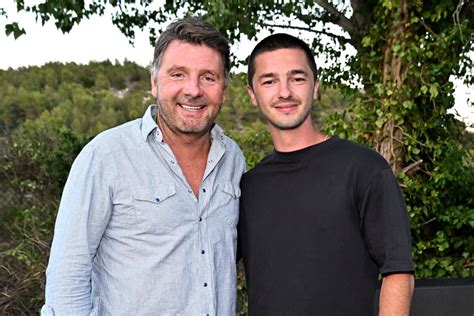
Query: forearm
column 68, row 276
column 395, row 294
column 68, row 290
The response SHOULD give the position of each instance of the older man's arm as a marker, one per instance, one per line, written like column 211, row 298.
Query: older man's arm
column 83, row 215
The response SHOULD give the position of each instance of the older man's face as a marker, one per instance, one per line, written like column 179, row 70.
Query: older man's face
column 189, row 87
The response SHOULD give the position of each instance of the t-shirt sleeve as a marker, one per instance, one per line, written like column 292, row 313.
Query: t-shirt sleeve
column 385, row 224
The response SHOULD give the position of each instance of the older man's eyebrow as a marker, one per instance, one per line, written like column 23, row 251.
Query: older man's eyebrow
column 175, row 68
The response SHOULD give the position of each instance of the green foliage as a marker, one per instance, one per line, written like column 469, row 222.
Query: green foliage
column 404, row 104
column 237, row 107
column 79, row 97
column 15, row 29
column 34, row 167
column 254, row 140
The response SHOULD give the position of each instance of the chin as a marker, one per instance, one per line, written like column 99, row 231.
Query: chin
column 196, row 129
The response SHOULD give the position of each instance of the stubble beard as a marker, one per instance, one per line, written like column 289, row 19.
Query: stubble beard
column 289, row 124
column 179, row 125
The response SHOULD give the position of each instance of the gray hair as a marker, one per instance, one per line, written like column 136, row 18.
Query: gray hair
column 192, row 30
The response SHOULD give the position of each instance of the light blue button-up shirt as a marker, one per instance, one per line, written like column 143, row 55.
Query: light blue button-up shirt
column 131, row 238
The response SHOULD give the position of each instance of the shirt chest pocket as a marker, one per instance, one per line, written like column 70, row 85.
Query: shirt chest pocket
column 157, row 208
column 229, row 209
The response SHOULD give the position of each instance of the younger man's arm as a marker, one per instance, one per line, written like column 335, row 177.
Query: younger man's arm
column 395, row 294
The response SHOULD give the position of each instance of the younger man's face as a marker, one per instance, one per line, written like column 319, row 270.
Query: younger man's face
column 283, row 87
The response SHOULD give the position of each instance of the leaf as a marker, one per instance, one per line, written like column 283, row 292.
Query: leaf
column 366, row 41
column 433, row 91
column 408, row 104
column 424, row 89
column 379, row 123
column 15, row 29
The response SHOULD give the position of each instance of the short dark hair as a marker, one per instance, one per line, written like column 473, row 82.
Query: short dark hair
column 192, row 30
column 280, row 41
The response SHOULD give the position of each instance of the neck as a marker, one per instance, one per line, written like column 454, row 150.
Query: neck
column 191, row 151
column 301, row 137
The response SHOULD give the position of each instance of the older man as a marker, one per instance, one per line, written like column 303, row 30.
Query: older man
column 147, row 221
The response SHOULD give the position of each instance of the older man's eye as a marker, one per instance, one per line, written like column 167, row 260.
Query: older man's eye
column 177, row 75
column 209, row 79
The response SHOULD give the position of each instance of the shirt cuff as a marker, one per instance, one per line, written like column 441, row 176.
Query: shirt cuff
column 47, row 311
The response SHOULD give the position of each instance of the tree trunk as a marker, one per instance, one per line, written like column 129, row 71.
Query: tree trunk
column 389, row 137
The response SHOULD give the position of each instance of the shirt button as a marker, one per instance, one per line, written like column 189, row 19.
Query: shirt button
column 157, row 199
column 202, row 252
column 204, row 190
column 189, row 191
column 200, row 219
column 172, row 162
column 205, row 284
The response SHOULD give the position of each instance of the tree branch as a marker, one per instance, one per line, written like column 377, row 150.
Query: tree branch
column 342, row 21
column 340, row 38
column 412, row 168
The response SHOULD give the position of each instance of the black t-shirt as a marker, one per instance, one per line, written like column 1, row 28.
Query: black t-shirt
column 316, row 228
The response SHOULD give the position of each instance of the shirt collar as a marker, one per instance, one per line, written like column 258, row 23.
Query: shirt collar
column 217, row 134
column 149, row 125
column 148, row 122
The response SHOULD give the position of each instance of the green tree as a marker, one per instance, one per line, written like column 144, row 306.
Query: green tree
column 101, row 82
column 34, row 164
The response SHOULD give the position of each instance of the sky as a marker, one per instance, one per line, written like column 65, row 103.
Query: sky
column 97, row 39
column 94, row 39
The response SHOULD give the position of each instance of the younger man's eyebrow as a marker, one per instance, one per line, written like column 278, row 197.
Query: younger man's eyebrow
column 298, row 72
column 267, row 75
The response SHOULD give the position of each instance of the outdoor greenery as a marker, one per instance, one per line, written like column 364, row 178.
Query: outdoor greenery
column 405, row 53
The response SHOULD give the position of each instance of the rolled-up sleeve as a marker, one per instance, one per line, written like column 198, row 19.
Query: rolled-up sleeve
column 83, row 215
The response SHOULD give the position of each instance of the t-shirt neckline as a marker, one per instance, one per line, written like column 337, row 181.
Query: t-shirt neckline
column 303, row 151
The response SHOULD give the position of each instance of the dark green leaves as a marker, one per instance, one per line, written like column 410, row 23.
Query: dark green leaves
column 15, row 29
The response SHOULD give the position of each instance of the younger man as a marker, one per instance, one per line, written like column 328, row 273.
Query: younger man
column 320, row 217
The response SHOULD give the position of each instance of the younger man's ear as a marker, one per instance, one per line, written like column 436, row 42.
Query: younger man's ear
column 316, row 90
column 252, row 95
